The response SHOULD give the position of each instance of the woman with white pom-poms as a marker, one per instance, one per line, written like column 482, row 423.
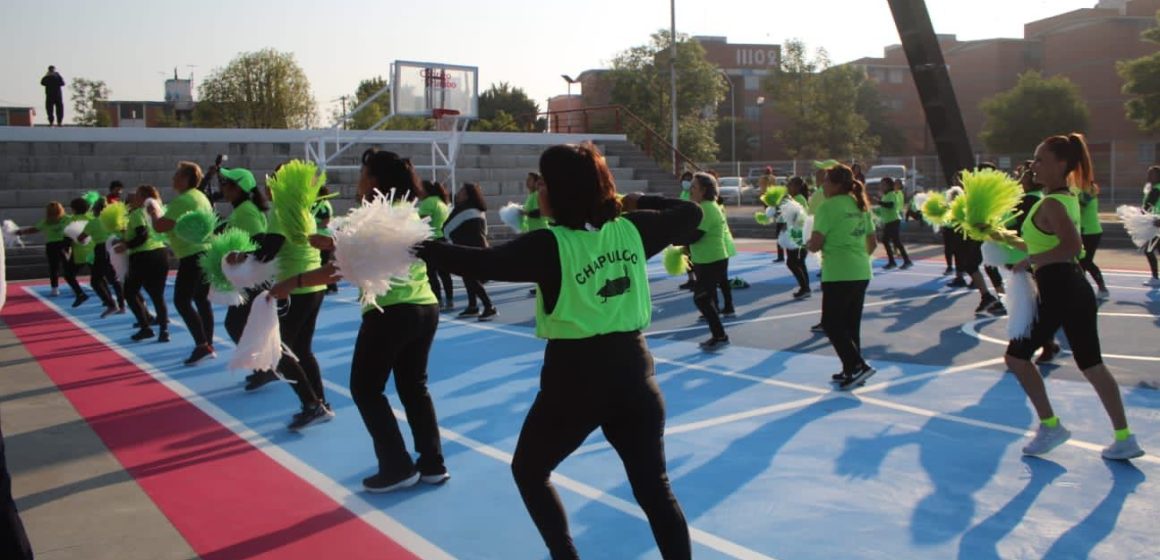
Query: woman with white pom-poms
column 148, row 265
column 396, row 333
column 592, row 303
column 467, row 226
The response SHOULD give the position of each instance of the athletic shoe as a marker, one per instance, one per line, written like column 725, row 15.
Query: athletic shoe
column 818, row 328
column 1152, row 282
column 200, row 353
column 858, row 378
column 488, row 314
column 120, row 311
column 985, row 304
column 906, row 265
column 837, row 377
column 434, row 476
column 55, row 292
column 738, row 284
column 532, row 292
column 949, row 271
column 143, row 334
column 468, row 313
column 1046, row 439
column 730, row 312
column 890, row 266
column 779, row 260
column 715, row 343
column 311, row 415
column 108, row 311
column 686, row 286
column 1123, row 450
column 802, row 294
column 958, row 282
column 378, row 483
column 997, row 309
column 1103, row 294
column 1048, row 354
column 80, row 300
column 163, row 337
column 260, row 379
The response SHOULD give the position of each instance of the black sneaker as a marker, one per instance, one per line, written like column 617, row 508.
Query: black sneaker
column 857, row 379
column 715, row 343
column 260, row 379
column 163, row 337
column 532, row 292
column 143, row 334
column 890, row 266
column 818, row 328
column 686, row 286
column 378, row 483
column 200, row 353
column 802, row 294
column 434, row 476
column 469, row 312
column 997, row 309
column 108, row 311
column 906, row 265
column 839, row 377
column 150, row 320
column 311, row 415
column 949, row 271
column 958, row 282
column 488, row 314
column 729, row 312
column 985, row 304
column 80, row 300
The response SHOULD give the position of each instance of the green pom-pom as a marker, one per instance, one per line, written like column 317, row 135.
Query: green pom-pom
column 295, row 190
column 989, row 198
column 935, row 209
column 826, row 164
column 115, row 217
column 761, row 218
column 195, row 227
column 773, row 196
column 958, row 211
column 675, row 262
column 232, row 240
column 92, row 197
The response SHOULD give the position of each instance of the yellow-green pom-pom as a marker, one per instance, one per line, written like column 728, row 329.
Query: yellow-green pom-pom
column 195, row 227
column 958, row 211
column 295, row 190
column 935, row 208
column 773, row 196
column 990, row 198
column 761, row 218
column 231, row 240
column 115, row 217
column 675, row 262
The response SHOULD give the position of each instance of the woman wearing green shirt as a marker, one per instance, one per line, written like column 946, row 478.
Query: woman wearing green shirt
column 1051, row 236
column 434, row 206
column 1090, row 232
column 103, row 278
column 55, row 245
column 81, row 250
column 844, row 233
column 397, row 338
column 796, row 258
column 709, row 251
column 148, row 266
column 323, row 213
column 891, row 207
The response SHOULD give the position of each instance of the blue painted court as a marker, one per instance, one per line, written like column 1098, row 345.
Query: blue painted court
column 767, row 460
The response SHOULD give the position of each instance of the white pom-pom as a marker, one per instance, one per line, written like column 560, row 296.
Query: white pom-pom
column 807, row 229
column 1022, row 304
column 74, row 229
column 814, row 261
column 785, row 240
column 152, row 207
column 229, row 299
column 511, row 215
column 920, row 199
column 1141, row 225
column 120, row 261
column 11, row 237
column 250, row 273
column 260, row 347
column 994, row 255
column 953, row 192
column 374, row 246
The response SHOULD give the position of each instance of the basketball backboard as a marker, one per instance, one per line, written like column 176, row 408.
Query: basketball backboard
column 424, row 88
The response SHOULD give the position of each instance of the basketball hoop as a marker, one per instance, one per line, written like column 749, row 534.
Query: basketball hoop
column 445, row 118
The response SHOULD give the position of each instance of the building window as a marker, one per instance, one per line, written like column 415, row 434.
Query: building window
column 876, row 74
column 1145, row 153
column 752, row 83
column 752, row 112
column 896, row 75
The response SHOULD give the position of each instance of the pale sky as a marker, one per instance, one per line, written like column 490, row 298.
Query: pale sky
column 134, row 45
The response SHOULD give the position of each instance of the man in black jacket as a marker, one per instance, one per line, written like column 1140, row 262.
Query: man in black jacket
column 53, row 97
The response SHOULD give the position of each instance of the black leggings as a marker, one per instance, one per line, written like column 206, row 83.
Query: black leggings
column 57, row 253
column 103, row 278
column 891, row 238
column 148, row 270
column 475, row 290
column 1150, row 252
column 779, row 227
column 948, row 237
column 441, row 281
column 70, row 270
column 1065, row 300
column 968, row 255
column 189, row 290
column 842, row 320
column 54, row 104
column 995, row 276
column 795, row 261
column 601, row 382
column 296, row 320
column 709, row 276
column 397, row 338
column 1091, row 242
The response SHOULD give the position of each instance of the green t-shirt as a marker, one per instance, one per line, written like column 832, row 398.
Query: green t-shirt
column 1089, row 214
column 415, row 290
column 52, row 231
column 138, row 218
column 192, row 200
column 294, row 258
column 531, row 204
column 96, row 230
column 603, row 283
column 82, row 253
column 434, row 207
column 800, row 200
column 248, row 218
column 713, row 245
column 888, row 215
column 845, row 228
column 815, row 201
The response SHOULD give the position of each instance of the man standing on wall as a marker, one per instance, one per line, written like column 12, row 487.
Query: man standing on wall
column 53, row 96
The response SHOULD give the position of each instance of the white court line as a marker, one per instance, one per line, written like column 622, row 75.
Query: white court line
column 853, row 395
column 341, row 495
column 972, row 329
column 592, row 493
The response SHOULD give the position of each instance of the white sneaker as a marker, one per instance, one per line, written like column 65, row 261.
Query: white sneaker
column 1123, row 450
column 1046, row 439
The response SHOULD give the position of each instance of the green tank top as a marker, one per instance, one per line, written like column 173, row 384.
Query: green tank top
column 531, row 204
column 603, row 284
column 1039, row 242
column 436, row 209
column 1089, row 214
column 154, row 241
column 248, row 218
column 415, row 290
column 714, row 245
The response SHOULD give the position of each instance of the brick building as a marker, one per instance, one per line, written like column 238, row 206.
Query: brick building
column 17, row 116
column 176, row 109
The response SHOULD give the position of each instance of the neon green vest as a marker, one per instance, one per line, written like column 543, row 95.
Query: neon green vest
column 1039, row 242
column 1014, row 254
column 603, row 284
column 415, row 289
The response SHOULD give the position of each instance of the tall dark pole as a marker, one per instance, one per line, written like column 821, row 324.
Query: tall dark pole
column 933, row 81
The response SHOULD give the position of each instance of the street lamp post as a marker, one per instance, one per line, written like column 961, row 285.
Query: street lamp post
column 760, row 128
column 732, row 122
column 673, row 79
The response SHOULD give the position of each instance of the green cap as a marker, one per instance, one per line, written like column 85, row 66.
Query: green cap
column 241, row 177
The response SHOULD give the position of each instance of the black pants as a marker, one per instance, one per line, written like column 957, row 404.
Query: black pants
column 148, row 270
column 475, row 291
column 57, row 253
column 237, row 315
column 70, row 270
column 1065, row 300
column 602, row 382
column 1150, row 255
column 328, row 257
column 397, row 338
column 842, row 320
column 709, row 277
column 779, row 227
column 189, row 291
column 1091, row 242
column 796, row 263
column 891, row 239
column 440, row 281
column 297, row 318
column 949, row 237
column 995, row 276
column 104, row 278
column 13, row 540
column 54, row 105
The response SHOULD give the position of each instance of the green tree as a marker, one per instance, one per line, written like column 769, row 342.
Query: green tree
column 377, row 109
column 1037, row 107
column 880, row 120
column 641, row 82
column 724, row 138
column 500, row 122
column 89, row 97
column 844, row 131
column 513, row 101
column 263, row 89
column 1142, row 81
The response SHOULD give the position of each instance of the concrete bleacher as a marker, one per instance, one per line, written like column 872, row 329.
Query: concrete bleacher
column 39, row 165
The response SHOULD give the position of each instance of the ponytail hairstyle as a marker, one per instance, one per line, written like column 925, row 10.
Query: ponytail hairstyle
column 581, row 190
column 1073, row 150
column 435, row 188
column 843, row 176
